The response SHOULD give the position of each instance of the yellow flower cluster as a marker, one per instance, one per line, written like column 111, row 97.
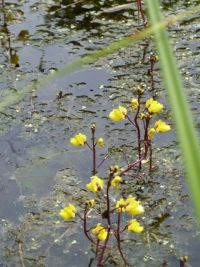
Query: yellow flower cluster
column 159, row 127
column 100, row 232
column 96, row 184
column 153, row 106
column 130, row 205
column 78, row 140
column 68, row 212
column 118, row 114
column 133, row 207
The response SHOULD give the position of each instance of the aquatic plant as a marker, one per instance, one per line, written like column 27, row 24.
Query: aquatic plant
column 111, row 222
column 111, row 212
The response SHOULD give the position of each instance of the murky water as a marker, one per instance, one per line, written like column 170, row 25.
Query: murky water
column 40, row 171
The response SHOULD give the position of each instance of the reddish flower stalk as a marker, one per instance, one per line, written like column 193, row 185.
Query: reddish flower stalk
column 138, row 133
column 150, row 156
column 119, row 239
column 108, row 219
column 85, row 227
column 102, row 161
column 141, row 11
column 99, row 263
column 153, row 60
column 133, row 164
column 93, row 150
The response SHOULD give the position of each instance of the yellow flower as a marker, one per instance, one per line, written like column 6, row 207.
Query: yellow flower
column 68, row 212
column 153, row 106
column 134, row 103
column 96, row 184
column 118, row 114
column 100, row 142
column 121, row 205
column 116, row 181
column 100, row 232
column 151, row 132
column 161, row 126
column 134, row 226
column 78, row 140
column 133, row 206
column 90, row 203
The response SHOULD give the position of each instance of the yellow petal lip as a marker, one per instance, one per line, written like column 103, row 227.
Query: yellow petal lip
column 100, row 232
column 135, row 227
column 121, row 205
column 97, row 228
column 68, row 212
column 78, row 140
column 153, row 106
column 95, row 185
column 161, row 126
column 118, row 114
column 116, row 181
column 133, row 206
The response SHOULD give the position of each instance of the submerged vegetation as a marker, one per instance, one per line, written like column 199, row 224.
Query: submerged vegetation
column 117, row 195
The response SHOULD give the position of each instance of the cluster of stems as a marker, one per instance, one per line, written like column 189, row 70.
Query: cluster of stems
column 141, row 12
column 113, row 224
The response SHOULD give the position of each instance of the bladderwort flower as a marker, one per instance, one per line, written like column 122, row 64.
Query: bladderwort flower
column 116, row 181
column 133, row 206
column 90, row 203
column 121, row 205
column 96, row 184
column 161, row 126
column 153, row 106
column 151, row 132
column 134, row 103
column 100, row 232
column 100, row 142
column 78, row 140
column 118, row 114
column 135, row 227
column 68, row 212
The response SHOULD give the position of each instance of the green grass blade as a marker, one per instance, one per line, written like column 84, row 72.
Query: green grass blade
column 124, row 42
column 180, row 108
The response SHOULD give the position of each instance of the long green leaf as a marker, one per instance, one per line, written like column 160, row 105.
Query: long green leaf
column 124, row 42
column 181, row 111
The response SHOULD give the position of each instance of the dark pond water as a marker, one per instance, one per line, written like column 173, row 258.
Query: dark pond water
column 41, row 172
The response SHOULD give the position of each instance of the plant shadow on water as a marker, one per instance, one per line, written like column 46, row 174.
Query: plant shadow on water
column 40, row 171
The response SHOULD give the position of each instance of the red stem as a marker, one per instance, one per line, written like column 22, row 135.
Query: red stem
column 135, row 162
column 85, row 227
column 138, row 133
column 108, row 221
column 102, row 161
column 119, row 240
column 150, row 156
column 140, row 9
column 93, row 152
column 152, row 73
